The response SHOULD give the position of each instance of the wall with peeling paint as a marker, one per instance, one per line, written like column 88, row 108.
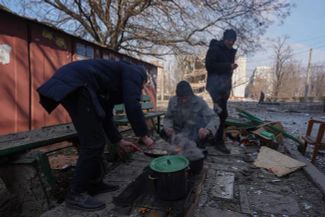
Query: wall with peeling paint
column 30, row 52
column 5, row 50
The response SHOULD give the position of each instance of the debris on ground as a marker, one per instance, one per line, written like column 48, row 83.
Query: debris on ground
column 234, row 185
column 277, row 163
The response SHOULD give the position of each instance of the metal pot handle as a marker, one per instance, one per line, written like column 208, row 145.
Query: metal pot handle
column 152, row 178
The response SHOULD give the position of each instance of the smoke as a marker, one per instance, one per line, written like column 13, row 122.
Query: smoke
column 186, row 147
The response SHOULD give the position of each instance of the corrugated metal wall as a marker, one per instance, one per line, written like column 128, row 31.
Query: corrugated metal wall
column 29, row 54
column 48, row 51
column 14, row 76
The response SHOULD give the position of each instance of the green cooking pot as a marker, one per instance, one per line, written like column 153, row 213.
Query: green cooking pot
column 169, row 176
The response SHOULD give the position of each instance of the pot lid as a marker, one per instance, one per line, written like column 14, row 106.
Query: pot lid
column 169, row 163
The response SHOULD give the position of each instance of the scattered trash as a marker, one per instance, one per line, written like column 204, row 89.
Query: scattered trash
column 268, row 137
column 307, row 206
column 260, row 176
column 233, row 133
column 259, row 192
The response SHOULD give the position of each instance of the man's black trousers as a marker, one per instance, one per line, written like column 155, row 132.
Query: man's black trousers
column 92, row 139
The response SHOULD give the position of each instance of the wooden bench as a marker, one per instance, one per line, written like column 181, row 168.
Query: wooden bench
column 120, row 117
column 17, row 143
column 13, row 147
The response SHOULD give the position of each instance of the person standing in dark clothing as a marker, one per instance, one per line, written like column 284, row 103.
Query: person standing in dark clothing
column 261, row 99
column 88, row 90
column 220, row 64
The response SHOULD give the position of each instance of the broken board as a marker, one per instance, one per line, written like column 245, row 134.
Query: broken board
column 277, row 162
column 224, row 185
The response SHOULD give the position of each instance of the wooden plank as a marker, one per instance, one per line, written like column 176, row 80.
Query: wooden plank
column 244, row 203
column 119, row 108
column 146, row 105
column 198, row 189
column 145, row 98
column 36, row 138
column 148, row 115
column 20, row 142
column 224, row 186
column 253, row 118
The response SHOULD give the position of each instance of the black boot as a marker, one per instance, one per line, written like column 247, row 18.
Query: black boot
column 220, row 146
column 83, row 201
column 101, row 188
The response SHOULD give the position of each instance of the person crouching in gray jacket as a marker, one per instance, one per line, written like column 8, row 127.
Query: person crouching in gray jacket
column 190, row 115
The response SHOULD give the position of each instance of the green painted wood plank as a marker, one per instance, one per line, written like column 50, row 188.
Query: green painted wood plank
column 146, row 105
column 145, row 98
column 24, row 141
column 119, row 108
column 35, row 138
column 251, row 117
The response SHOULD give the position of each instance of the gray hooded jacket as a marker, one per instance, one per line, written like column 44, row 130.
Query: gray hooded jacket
column 190, row 118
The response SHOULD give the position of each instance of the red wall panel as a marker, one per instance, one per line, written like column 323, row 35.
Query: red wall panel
column 49, row 50
column 30, row 52
column 14, row 75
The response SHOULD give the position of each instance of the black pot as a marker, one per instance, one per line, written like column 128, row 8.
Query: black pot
column 170, row 185
column 196, row 166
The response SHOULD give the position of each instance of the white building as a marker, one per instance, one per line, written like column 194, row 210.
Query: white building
column 264, row 73
column 239, row 78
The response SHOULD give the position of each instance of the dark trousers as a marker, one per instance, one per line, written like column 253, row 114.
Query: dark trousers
column 92, row 139
column 223, row 114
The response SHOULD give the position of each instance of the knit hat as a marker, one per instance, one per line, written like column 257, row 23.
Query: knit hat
column 229, row 34
column 183, row 88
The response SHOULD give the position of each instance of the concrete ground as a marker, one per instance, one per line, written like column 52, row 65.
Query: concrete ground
column 233, row 185
column 257, row 192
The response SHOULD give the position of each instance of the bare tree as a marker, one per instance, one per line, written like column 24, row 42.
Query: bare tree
column 282, row 56
column 156, row 27
column 292, row 81
column 185, row 65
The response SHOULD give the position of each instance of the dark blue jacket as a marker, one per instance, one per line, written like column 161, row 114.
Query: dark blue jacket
column 219, row 58
column 108, row 83
column 218, row 65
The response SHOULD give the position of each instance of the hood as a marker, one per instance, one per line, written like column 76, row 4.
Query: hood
column 142, row 72
column 140, row 69
column 215, row 43
column 183, row 88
